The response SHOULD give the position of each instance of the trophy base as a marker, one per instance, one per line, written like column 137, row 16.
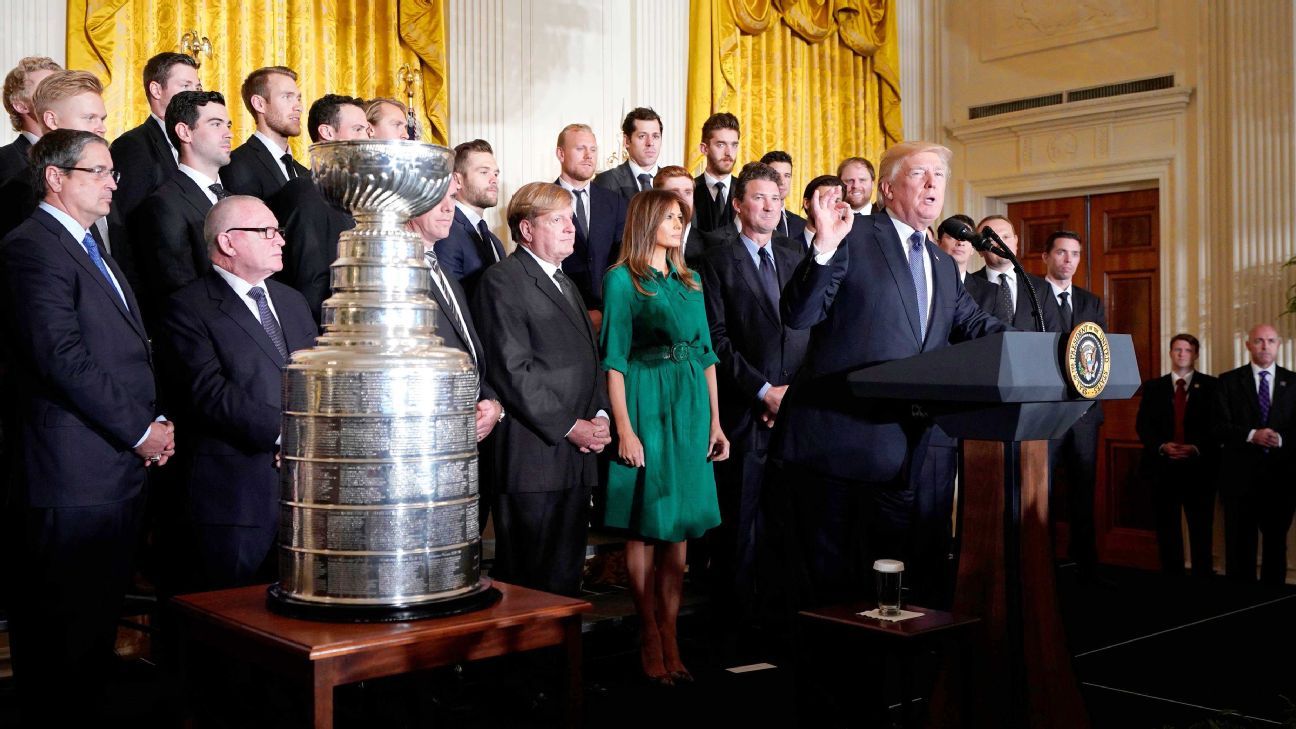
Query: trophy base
column 480, row 598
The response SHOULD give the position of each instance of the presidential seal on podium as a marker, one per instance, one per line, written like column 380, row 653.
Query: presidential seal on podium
column 1087, row 360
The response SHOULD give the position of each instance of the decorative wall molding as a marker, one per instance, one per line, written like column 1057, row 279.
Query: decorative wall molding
column 1013, row 27
column 1067, row 116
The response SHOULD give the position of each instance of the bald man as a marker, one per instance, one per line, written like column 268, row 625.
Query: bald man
column 1255, row 412
column 231, row 332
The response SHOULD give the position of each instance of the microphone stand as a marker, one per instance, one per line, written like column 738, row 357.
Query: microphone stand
column 1003, row 251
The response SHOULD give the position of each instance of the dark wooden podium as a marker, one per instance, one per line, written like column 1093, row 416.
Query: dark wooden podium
column 1005, row 395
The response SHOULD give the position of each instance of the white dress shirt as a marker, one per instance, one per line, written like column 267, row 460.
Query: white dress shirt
column 275, row 151
column 993, row 277
column 711, row 183
column 203, row 181
column 242, row 288
column 583, row 201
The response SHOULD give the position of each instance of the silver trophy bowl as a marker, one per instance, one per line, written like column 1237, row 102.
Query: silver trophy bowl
column 379, row 477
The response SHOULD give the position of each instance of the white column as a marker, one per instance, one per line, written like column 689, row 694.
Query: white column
column 520, row 71
column 30, row 28
column 918, row 24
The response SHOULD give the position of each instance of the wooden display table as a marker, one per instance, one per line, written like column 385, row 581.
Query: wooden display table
column 321, row 656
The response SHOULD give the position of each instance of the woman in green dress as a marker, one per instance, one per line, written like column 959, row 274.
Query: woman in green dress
column 662, row 384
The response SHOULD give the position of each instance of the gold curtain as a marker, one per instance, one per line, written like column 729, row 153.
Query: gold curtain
column 818, row 79
column 353, row 47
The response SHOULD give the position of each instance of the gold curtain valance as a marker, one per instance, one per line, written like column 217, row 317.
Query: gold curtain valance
column 817, row 78
column 352, row 47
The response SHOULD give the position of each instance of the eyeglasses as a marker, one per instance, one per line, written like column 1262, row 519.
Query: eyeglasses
column 268, row 232
column 98, row 172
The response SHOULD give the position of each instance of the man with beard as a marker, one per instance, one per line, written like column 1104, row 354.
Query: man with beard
column 713, row 188
column 857, row 174
column 599, row 215
column 144, row 155
column 263, row 163
column 471, row 246
column 642, row 133
column 169, row 224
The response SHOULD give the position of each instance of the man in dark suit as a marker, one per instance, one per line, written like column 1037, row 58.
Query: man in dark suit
column 959, row 250
column 791, row 225
column 678, row 181
column 713, row 188
column 1000, row 291
column 263, row 164
column 541, row 356
column 1065, row 307
column 642, row 133
column 312, row 224
column 1181, row 457
column 742, row 282
column 19, row 87
column 79, row 362
column 858, row 176
column 144, row 155
column 874, row 290
column 456, row 329
column 232, row 331
column 168, row 226
column 471, row 246
column 599, row 215
column 1254, row 419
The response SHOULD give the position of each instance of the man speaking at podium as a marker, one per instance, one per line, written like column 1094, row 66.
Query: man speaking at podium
column 874, row 289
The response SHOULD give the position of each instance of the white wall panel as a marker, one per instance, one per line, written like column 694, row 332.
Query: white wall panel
column 30, row 28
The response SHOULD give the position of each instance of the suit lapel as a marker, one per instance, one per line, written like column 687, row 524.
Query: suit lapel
column 885, row 236
column 192, row 195
column 449, row 310
column 161, row 146
column 743, row 260
column 79, row 254
column 271, row 165
column 236, row 310
column 550, row 289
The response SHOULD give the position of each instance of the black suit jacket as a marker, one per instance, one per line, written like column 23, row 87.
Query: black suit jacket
column 80, row 367
column 791, row 226
column 748, row 335
column 13, row 158
column 170, row 251
column 17, row 200
column 863, row 308
column 986, row 294
column 231, row 412
column 542, row 360
column 1246, row 468
column 143, row 156
column 706, row 216
column 695, row 246
column 464, row 255
column 619, row 179
column 1155, row 421
column 457, row 336
column 254, row 171
column 1085, row 306
column 312, row 227
column 595, row 253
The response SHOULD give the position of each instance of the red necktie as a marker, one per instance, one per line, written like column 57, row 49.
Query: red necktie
column 1180, row 406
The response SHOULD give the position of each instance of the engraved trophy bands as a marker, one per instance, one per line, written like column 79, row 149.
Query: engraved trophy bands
column 379, row 476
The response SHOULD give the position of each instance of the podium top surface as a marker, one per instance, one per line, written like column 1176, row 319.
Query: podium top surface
column 1009, row 367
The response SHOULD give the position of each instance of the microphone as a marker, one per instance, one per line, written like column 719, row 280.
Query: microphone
column 962, row 231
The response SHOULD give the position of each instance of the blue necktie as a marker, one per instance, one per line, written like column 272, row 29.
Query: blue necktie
column 916, row 253
column 92, row 247
column 268, row 321
column 1264, row 398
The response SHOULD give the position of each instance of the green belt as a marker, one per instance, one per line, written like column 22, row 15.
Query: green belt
column 678, row 352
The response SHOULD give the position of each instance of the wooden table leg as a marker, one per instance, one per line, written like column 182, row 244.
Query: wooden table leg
column 323, row 680
column 575, row 689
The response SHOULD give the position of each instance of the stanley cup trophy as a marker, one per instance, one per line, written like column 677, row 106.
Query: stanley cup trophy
column 379, row 474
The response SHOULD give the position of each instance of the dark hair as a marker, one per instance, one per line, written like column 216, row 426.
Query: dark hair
column 1055, row 235
column 463, row 150
column 60, row 148
column 718, row 121
column 1185, row 337
column 947, row 226
column 996, row 216
column 158, row 68
column 640, row 113
column 257, row 83
column 823, row 181
column 751, row 172
column 327, row 109
column 777, row 155
column 856, row 161
column 183, row 109
column 645, row 213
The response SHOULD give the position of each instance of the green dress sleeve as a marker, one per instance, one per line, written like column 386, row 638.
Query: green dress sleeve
column 618, row 326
